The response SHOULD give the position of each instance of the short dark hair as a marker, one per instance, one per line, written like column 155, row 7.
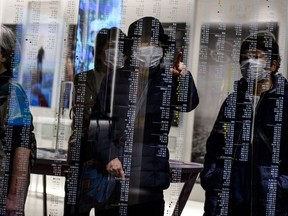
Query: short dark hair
column 147, row 28
column 262, row 40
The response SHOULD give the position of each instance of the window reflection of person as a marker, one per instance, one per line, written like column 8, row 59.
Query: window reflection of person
column 254, row 159
column 105, row 49
column 149, row 174
column 40, row 57
column 36, row 89
column 16, row 128
column 103, row 63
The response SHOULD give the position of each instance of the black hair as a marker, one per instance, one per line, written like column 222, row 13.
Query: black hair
column 103, row 37
column 147, row 29
column 262, row 40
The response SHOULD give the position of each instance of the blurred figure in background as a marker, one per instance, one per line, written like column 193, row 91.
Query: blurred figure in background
column 40, row 57
column 86, row 87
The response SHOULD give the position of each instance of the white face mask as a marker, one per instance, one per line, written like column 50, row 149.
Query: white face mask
column 110, row 60
column 254, row 69
column 149, row 56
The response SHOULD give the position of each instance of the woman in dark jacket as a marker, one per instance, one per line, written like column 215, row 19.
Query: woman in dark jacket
column 81, row 142
column 141, row 99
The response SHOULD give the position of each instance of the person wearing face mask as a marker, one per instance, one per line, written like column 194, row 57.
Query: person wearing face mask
column 148, row 56
column 141, row 98
column 108, row 56
column 245, row 169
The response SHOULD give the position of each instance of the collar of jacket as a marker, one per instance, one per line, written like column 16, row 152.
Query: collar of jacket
column 5, row 76
column 4, row 82
column 241, row 85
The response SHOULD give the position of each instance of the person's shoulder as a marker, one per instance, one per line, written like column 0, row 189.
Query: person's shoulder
column 281, row 82
column 125, row 71
column 83, row 75
column 236, row 96
column 280, row 87
column 17, row 87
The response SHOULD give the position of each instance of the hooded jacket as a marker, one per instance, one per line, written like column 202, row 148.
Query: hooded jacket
column 246, row 154
column 147, row 134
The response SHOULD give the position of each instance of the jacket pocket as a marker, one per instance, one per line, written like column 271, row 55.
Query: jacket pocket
column 282, row 195
column 211, row 178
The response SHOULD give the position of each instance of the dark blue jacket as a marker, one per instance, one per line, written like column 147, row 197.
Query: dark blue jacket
column 246, row 159
column 150, row 156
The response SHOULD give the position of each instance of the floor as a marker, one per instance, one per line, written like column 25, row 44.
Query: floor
column 193, row 208
column 55, row 197
column 35, row 207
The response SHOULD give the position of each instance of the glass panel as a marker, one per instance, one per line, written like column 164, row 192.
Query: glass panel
column 126, row 102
